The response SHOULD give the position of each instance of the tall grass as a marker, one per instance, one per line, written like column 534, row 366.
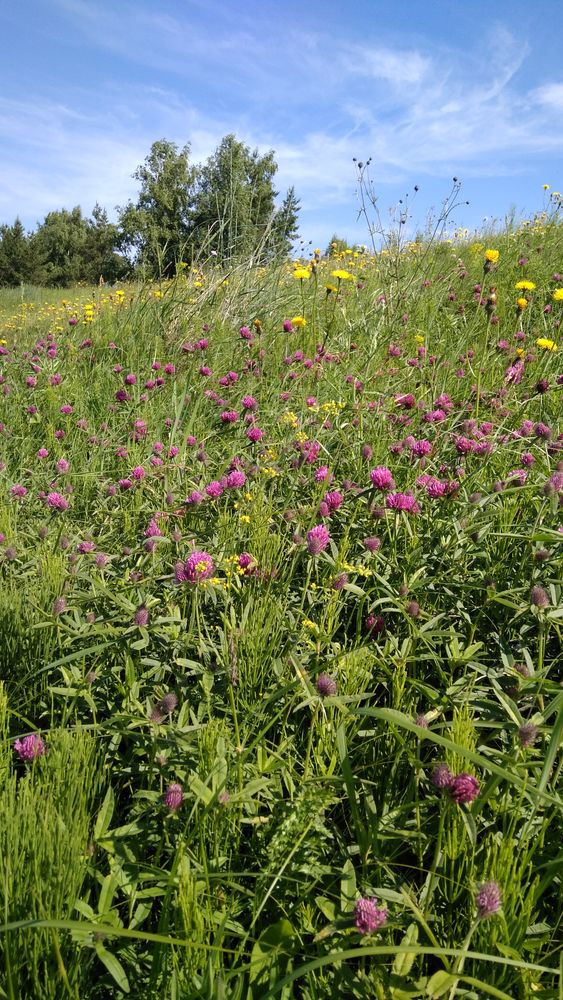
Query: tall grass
column 236, row 755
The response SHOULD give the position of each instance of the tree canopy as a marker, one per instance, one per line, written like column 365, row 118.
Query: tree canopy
column 224, row 209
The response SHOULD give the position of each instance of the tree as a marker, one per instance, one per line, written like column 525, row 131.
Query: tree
column 234, row 205
column 100, row 256
column 156, row 229
column 285, row 226
column 60, row 243
column 17, row 263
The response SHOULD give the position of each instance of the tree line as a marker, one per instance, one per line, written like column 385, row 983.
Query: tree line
column 224, row 210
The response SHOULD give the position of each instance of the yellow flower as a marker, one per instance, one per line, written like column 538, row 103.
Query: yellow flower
column 558, row 295
column 492, row 256
column 520, row 352
column 525, row 286
column 342, row 275
column 302, row 273
column 298, row 321
column 522, row 303
column 545, row 344
column 419, row 339
column 331, row 288
column 244, row 518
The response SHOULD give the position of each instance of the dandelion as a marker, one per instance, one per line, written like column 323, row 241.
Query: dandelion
column 557, row 295
column 492, row 256
column 487, row 900
column 298, row 322
column 545, row 343
column 302, row 273
column 342, row 275
column 525, row 286
column 368, row 917
column 31, row 747
column 522, row 304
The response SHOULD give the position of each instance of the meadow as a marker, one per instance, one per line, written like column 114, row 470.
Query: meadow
column 281, row 615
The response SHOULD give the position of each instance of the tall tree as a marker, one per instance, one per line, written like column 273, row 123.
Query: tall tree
column 234, row 203
column 60, row 243
column 156, row 228
column 285, row 225
column 16, row 263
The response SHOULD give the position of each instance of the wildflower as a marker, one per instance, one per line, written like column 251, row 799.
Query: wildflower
column 57, row 501
column 545, row 343
column 198, row 566
column 402, row 501
column 173, row 797
column 31, row 747
column 342, row 275
column 368, row 917
column 525, row 286
column 464, row 788
column 141, row 617
column 372, row 543
column 492, row 256
column 558, row 295
column 527, row 734
column 441, row 776
column 382, row 478
column 302, row 273
column 487, row 900
column 375, row 625
column 326, row 686
column 539, row 597
column 18, row 491
column 298, row 321
column 317, row 539
column 522, row 303
column 59, row 606
column 214, row 489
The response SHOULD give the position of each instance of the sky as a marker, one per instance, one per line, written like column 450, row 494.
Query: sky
column 428, row 90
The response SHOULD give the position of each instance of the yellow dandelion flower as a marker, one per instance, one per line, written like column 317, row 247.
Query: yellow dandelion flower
column 546, row 344
column 492, row 256
column 301, row 273
column 331, row 288
column 522, row 303
column 558, row 295
column 298, row 321
column 418, row 338
column 525, row 286
column 342, row 275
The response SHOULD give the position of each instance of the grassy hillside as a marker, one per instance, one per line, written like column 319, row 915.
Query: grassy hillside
column 281, row 621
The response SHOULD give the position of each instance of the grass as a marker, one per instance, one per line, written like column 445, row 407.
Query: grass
column 240, row 745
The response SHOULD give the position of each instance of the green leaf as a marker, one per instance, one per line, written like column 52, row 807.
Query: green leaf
column 347, row 887
column 105, row 814
column 273, row 943
column 114, row 966
column 439, row 984
column 404, row 960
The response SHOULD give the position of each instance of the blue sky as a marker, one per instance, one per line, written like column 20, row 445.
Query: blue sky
column 428, row 90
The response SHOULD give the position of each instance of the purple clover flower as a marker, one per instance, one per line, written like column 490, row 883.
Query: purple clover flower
column 317, row 539
column 30, row 747
column 368, row 917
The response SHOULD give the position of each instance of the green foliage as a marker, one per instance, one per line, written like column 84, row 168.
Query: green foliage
column 234, row 762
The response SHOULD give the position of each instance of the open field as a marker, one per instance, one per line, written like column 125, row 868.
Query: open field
column 281, row 619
